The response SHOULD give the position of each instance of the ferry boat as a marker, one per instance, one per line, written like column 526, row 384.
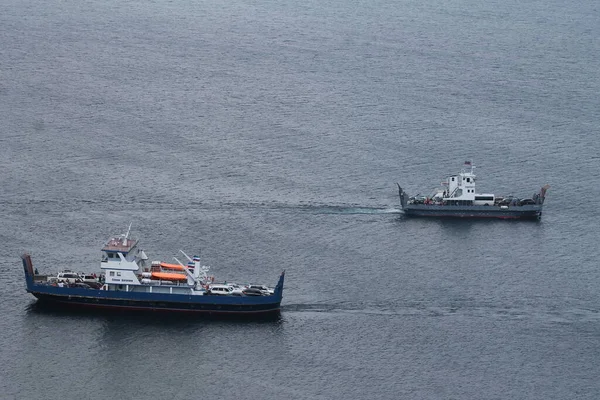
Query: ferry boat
column 458, row 199
column 128, row 281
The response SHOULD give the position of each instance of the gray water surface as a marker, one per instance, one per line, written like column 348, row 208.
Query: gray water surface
column 270, row 135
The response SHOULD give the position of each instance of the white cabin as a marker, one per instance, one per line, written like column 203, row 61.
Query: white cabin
column 122, row 261
column 461, row 189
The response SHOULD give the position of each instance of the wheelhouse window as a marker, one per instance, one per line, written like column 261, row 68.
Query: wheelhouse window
column 112, row 273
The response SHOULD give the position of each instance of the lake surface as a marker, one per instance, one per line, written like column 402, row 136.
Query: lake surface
column 270, row 136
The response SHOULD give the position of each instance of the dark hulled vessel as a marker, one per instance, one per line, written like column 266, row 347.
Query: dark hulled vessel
column 458, row 199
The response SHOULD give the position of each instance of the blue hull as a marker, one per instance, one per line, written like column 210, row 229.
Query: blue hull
column 142, row 301
column 209, row 305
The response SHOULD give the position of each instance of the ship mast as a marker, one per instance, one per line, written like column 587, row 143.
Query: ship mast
column 468, row 164
column 127, row 235
column 198, row 269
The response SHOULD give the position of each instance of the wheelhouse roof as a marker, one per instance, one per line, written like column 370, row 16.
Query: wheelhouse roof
column 119, row 245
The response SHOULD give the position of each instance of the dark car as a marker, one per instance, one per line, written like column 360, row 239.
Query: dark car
column 526, row 202
column 505, row 201
column 79, row 285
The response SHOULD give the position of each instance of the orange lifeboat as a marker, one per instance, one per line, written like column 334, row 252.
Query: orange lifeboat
column 169, row 276
column 172, row 266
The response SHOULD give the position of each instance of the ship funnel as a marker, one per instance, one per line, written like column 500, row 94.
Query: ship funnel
column 196, row 260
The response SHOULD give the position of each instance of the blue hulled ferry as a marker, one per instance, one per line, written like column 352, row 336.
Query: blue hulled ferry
column 457, row 199
column 128, row 281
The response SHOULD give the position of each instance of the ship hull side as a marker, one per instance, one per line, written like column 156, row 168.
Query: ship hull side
column 531, row 212
column 124, row 301
column 62, row 302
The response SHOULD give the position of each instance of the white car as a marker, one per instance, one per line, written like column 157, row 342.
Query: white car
column 224, row 289
column 68, row 276
column 88, row 278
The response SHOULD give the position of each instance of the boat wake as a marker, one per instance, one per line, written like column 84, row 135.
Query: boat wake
column 356, row 210
column 316, row 208
column 417, row 310
column 164, row 205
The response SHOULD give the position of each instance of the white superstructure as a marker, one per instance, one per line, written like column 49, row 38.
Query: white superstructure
column 125, row 267
column 460, row 189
